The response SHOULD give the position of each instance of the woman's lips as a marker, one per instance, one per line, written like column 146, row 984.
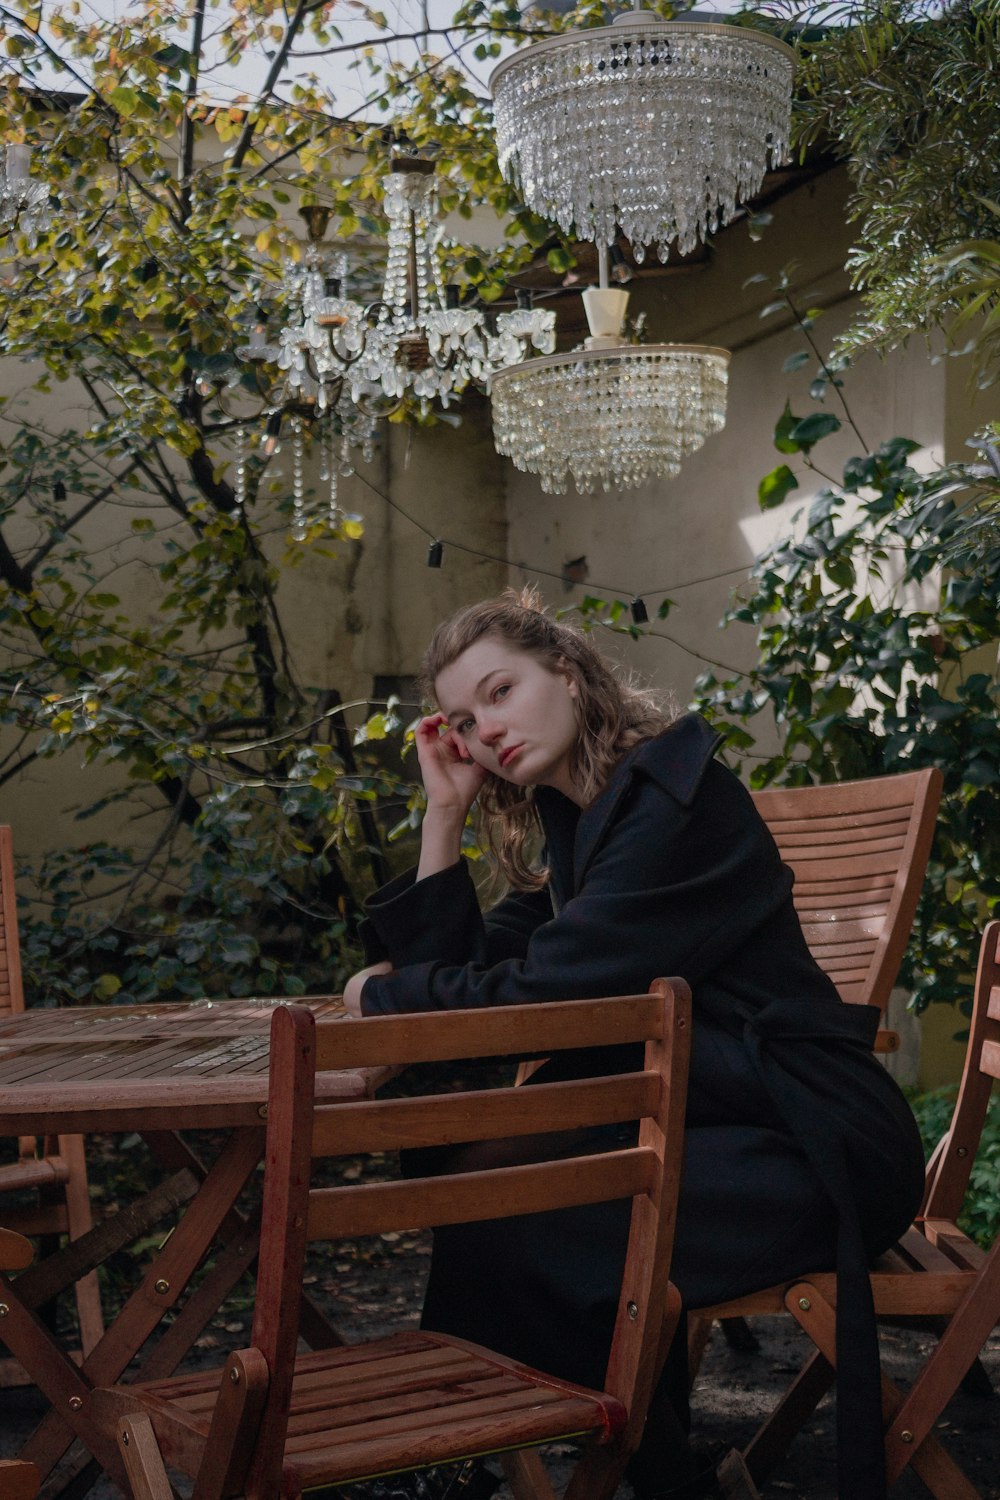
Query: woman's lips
column 506, row 756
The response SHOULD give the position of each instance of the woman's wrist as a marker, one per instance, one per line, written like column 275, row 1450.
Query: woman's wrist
column 440, row 840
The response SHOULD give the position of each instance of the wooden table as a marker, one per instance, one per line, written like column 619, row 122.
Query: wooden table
column 155, row 1070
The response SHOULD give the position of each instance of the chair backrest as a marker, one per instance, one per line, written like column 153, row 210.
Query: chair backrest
column 11, row 987
column 949, row 1168
column 648, row 1172
column 859, row 852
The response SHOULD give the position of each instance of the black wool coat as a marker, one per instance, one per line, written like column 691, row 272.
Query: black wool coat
column 800, row 1152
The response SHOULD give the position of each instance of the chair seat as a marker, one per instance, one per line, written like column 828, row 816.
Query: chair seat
column 361, row 1410
column 944, row 1268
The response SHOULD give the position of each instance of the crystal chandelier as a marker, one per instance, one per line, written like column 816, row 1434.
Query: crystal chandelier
column 609, row 414
column 24, row 202
column 661, row 128
column 421, row 342
column 315, row 352
column 345, row 365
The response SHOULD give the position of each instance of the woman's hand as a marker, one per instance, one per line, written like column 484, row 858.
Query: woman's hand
column 356, row 983
column 452, row 779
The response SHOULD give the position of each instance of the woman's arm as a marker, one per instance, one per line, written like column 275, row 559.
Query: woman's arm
column 672, row 890
column 452, row 781
column 356, row 983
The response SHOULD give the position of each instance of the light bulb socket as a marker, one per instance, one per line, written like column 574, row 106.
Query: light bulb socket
column 59, row 491
column 272, row 434
column 640, row 614
column 435, row 554
column 621, row 271
column 605, row 308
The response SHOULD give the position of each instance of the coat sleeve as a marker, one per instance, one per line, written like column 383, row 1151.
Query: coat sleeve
column 672, row 890
column 439, row 919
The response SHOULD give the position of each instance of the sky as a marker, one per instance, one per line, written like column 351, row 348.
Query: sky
column 345, row 83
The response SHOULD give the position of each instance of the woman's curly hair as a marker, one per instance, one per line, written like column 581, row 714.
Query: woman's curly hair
column 614, row 714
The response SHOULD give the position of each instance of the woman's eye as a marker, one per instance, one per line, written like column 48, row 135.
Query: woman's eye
column 501, row 691
column 465, row 726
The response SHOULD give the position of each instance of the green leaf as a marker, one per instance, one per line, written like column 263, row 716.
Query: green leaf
column 125, row 100
column 775, row 487
column 811, row 429
column 796, row 361
column 783, row 440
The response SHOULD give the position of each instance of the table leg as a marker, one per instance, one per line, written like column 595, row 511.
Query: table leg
column 314, row 1326
column 162, row 1285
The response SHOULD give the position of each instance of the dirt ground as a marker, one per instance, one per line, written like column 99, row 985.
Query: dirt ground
column 373, row 1290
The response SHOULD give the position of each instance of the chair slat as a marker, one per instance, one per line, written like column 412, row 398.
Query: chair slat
column 502, row 1030
column 349, row 1212
column 487, row 1114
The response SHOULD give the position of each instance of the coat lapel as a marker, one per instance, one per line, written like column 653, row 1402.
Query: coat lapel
column 677, row 759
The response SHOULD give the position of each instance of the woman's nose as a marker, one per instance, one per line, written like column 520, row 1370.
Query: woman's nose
column 490, row 729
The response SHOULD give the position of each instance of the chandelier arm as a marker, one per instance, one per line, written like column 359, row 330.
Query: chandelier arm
column 233, row 419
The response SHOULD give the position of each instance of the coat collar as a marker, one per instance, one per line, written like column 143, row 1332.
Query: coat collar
column 676, row 760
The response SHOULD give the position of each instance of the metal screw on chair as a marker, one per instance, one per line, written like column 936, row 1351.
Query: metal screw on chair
column 262, row 1111
column 125, row 1437
column 805, row 1304
column 234, row 1376
column 906, row 1437
column 962, row 1151
column 4, row 1309
column 161, row 1286
column 75, row 1402
column 632, row 1311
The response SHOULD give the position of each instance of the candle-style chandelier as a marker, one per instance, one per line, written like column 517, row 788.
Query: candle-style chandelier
column 610, row 414
column 658, row 128
column 345, row 365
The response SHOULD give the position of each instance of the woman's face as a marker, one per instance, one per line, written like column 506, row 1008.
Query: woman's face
column 512, row 714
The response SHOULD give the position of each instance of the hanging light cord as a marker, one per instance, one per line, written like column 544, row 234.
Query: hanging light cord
column 636, row 601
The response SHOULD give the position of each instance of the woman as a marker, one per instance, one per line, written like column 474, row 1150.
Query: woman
column 800, row 1153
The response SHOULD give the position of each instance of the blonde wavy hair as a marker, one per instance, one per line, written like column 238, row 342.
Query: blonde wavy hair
column 614, row 715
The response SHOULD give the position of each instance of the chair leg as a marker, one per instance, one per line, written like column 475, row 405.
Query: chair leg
column 927, row 1457
column 231, row 1437
column 526, row 1475
column 699, row 1333
column 79, row 1220
column 772, row 1441
column 967, row 1331
column 143, row 1461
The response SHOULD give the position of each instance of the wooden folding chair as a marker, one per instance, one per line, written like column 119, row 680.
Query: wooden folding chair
column 934, row 1273
column 18, row 1481
column 859, row 852
column 57, row 1168
column 274, row 1424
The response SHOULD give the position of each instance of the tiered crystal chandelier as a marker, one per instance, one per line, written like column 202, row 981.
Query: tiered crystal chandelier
column 609, row 414
column 658, row 128
column 24, row 202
